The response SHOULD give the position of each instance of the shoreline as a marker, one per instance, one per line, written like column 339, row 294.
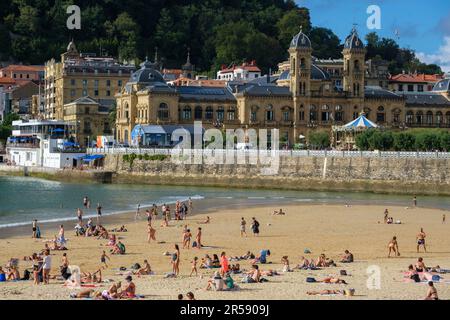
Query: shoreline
column 388, row 187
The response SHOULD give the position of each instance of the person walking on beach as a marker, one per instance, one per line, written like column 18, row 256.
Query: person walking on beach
column 190, row 204
column 138, row 212
column 61, row 238
column 243, row 224
column 198, row 238
column 85, row 202
column 443, row 218
column 176, row 261
column 386, row 215
column 421, row 240
column 99, row 212
column 34, row 229
column 80, row 216
column 151, row 233
column 103, row 258
column 393, row 247
column 255, row 226
column 187, row 235
column 415, row 201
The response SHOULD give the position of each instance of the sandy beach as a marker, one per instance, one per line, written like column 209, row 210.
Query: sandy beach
column 328, row 229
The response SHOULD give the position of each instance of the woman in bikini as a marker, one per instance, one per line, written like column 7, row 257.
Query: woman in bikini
column 187, row 235
column 393, row 247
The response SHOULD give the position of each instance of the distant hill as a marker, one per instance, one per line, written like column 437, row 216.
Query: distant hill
column 216, row 31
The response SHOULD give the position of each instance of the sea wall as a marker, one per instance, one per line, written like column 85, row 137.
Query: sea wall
column 384, row 175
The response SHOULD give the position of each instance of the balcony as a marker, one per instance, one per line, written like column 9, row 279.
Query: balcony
column 22, row 145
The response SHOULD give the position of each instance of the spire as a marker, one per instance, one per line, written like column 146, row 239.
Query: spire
column 188, row 60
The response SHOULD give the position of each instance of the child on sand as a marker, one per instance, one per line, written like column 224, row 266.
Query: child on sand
column 243, row 224
column 194, row 266
column 103, row 258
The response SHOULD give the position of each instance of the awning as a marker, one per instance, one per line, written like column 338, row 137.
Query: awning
column 93, row 157
column 69, row 144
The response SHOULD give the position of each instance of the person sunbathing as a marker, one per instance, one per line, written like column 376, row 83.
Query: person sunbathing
column 113, row 292
column 279, row 213
column 206, row 262
column 348, row 257
column 119, row 248
column 216, row 282
column 87, row 277
column 12, row 273
column 304, row 263
column 112, row 240
column 285, row 262
column 207, row 220
column 146, row 270
column 321, row 261
column 325, row 292
column 235, row 268
column 254, row 275
column 215, row 261
column 420, row 265
column 332, row 280
column 103, row 233
column 129, row 291
column 83, row 294
column 121, row 229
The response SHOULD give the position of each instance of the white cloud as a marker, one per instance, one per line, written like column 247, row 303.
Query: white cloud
column 441, row 57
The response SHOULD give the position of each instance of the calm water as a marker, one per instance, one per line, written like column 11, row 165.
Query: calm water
column 23, row 199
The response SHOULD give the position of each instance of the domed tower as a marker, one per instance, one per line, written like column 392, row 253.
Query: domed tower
column 354, row 63
column 188, row 68
column 300, row 59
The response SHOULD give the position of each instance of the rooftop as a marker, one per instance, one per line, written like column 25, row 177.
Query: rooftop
column 415, row 78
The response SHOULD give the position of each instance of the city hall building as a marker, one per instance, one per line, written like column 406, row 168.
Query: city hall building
column 302, row 98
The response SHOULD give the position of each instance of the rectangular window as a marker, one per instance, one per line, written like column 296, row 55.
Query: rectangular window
column 231, row 115
column 302, row 116
column 400, row 87
column 420, row 88
column 72, row 82
column 108, row 93
column 286, row 116
column 108, row 83
column 96, row 93
column 96, row 82
column 253, row 116
column 86, row 110
column 85, row 83
column 410, row 88
column 85, row 93
column 119, row 83
column 72, row 93
column 380, row 117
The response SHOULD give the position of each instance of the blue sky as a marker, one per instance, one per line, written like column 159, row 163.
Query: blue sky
column 423, row 26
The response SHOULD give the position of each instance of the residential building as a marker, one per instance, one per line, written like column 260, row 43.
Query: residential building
column 244, row 72
column 22, row 73
column 413, row 83
column 78, row 75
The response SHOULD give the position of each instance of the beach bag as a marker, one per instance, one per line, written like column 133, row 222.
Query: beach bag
column 436, row 277
column 310, row 279
column 343, row 273
column 2, row 277
column 194, row 244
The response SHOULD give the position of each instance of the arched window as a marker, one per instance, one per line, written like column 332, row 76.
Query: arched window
column 312, row 113
column 126, row 110
column 409, row 117
column 209, row 113
column 380, row 114
column 220, row 113
column 429, row 118
column 163, row 111
column 286, row 113
column 125, row 135
column 186, row 114
column 198, row 113
column 419, row 117
column 339, row 115
column 325, row 116
column 302, row 63
column 439, row 118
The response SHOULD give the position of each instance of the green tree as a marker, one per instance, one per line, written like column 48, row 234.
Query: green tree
column 290, row 23
column 404, row 141
column 362, row 139
column 325, row 43
column 6, row 125
column 319, row 139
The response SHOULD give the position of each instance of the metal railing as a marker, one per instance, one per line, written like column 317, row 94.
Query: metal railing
column 286, row 153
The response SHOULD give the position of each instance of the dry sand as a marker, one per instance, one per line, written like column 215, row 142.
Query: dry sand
column 328, row 229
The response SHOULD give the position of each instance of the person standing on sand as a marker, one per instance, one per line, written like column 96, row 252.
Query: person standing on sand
column 85, row 201
column 421, row 240
column 393, row 247
column 34, row 229
column 386, row 215
column 194, row 267
column 138, row 212
column 415, row 201
column 255, row 227
column 191, row 206
column 443, row 218
column 46, row 266
column 80, row 216
column 151, row 233
column 99, row 212
column 176, row 261
column 198, row 238
column 243, row 224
